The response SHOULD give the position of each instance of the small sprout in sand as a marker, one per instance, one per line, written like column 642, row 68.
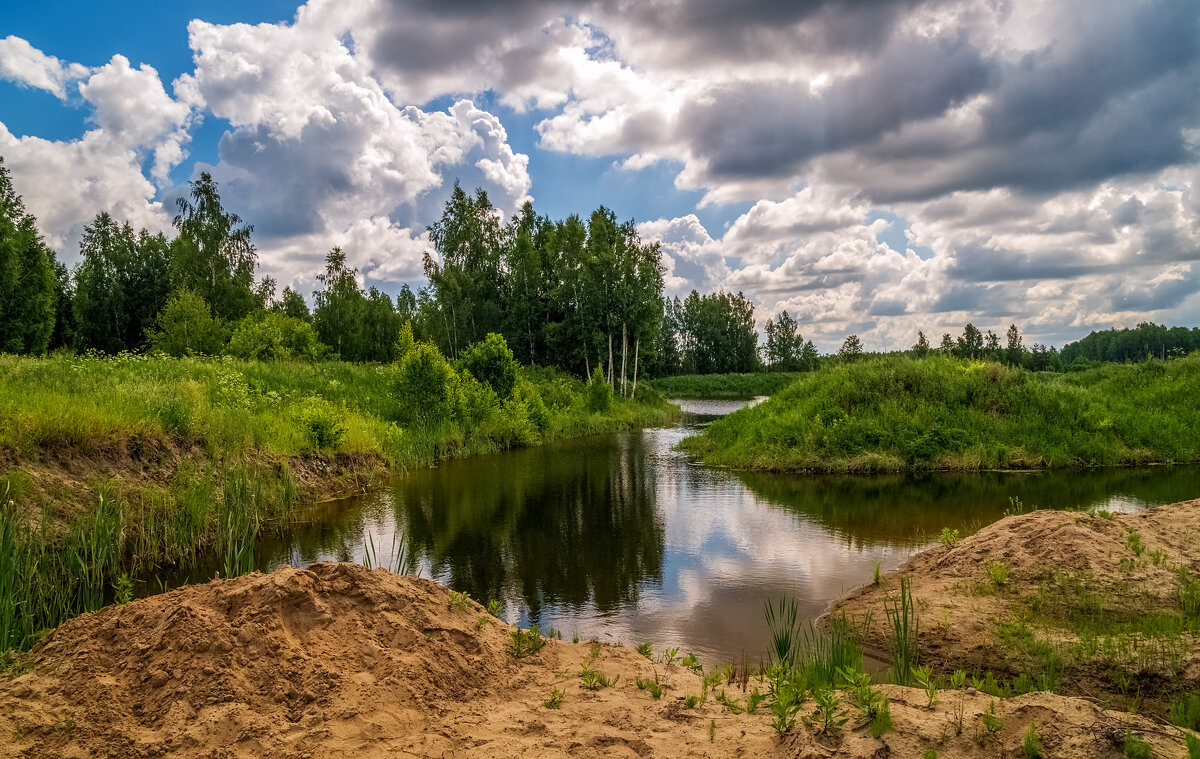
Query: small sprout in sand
column 753, row 700
column 691, row 662
column 925, row 678
column 878, row 574
column 646, row 649
column 494, row 607
column 593, row 679
column 1193, row 746
column 1127, row 564
column 712, row 731
column 670, row 655
column 551, row 633
column 1133, row 540
column 526, row 642
column 66, row 723
column 650, row 686
column 731, row 705
column 930, row 753
column 1031, row 748
column 691, row 701
column 882, row 722
column 828, row 714
column 459, row 601
column 555, row 700
column 958, row 679
column 1135, row 748
column 481, row 622
column 948, row 537
column 997, row 572
column 575, row 638
column 1104, row 514
column 991, row 722
column 1015, row 507
column 1158, row 557
column 713, row 678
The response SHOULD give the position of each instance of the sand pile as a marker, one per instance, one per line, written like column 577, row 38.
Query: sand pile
column 1054, row 575
column 336, row 660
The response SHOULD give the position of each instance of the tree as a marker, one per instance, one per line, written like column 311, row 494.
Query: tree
column 491, row 362
column 1014, row 351
column 338, row 316
column 213, row 255
column 186, row 327
column 291, row 304
column 947, row 346
column 717, row 333
column 271, row 336
column 28, row 284
column 424, row 386
column 970, row 345
column 921, row 348
column 785, row 344
column 851, row 349
column 122, row 281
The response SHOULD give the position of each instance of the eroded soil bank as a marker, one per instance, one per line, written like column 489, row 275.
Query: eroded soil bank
column 336, row 660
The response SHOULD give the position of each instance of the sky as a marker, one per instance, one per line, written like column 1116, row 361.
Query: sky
column 873, row 167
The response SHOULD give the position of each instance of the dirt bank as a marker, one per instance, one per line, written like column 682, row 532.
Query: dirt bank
column 1102, row 605
column 336, row 660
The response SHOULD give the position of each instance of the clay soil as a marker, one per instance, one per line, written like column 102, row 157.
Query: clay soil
column 339, row 661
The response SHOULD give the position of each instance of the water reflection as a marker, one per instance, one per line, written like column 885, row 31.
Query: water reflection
column 624, row 537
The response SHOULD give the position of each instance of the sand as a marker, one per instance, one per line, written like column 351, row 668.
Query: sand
column 339, row 661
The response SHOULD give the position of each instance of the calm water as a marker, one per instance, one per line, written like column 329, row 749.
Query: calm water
column 624, row 538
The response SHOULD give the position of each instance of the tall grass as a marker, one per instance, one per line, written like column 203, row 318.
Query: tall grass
column 903, row 632
column 898, row 414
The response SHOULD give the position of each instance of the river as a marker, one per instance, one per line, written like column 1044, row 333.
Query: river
column 623, row 538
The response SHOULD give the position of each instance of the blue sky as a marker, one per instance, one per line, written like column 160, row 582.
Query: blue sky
column 872, row 168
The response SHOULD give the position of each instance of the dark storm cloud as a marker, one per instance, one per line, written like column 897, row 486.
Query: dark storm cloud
column 770, row 130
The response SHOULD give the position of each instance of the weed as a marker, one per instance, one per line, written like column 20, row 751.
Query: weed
column 1186, row 712
column 712, row 731
column 903, row 630
column 1135, row 748
column 1031, row 746
column 650, row 686
column 867, row 699
column 1015, row 507
column 991, row 722
column 592, row 679
column 948, row 537
column 526, row 642
column 753, row 700
column 925, row 678
column 788, row 698
column 731, row 705
column 555, row 700
column 691, row 701
column 123, row 589
column 646, row 650
column 781, row 621
column 494, row 608
column 878, row 580
column 691, row 662
column 481, row 622
column 670, row 656
column 828, row 714
column 930, row 753
column 1158, row 557
column 1193, row 746
column 882, row 722
column 459, row 601
column 66, row 723
column 958, row 679
column 997, row 572
column 1133, row 540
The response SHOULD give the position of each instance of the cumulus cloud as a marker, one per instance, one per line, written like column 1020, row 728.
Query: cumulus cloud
column 24, row 64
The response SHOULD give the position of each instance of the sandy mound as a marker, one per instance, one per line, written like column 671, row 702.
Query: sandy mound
column 1074, row 586
column 336, row 660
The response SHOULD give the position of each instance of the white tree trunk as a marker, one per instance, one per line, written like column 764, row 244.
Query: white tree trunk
column 610, row 360
column 624, row 351
column 636, row 344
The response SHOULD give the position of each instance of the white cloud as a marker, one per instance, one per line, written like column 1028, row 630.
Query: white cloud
column 21, row 62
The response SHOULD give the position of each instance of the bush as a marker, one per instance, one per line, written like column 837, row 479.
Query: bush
column 186, row 327
column 425, row 386
column 528, row 396
column 598, row 393
column 270, row 336
column 491, row 362
column 321, row 422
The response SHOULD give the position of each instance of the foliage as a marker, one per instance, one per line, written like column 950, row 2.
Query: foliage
column 904, row 633
column 898, row 414
column 786, row 350
column 598, row 396
column 526, row 642
column 1146, row 340
column 425, row 386
column 948, row 537
column 271, row 336
column 707, row 386
column 650, row 686
column 829, row 714
column 491, row 362
column 186, row 327
column 1136, row 748
column 555, row 700
column 593, row 679
column 1186, row 712
column 711, row 334
column 1031, row 746
column 28, row 286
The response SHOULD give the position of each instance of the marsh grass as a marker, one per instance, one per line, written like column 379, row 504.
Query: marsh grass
column 903, row 632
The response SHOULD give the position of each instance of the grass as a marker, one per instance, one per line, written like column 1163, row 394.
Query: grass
column 593, row 679
column 903, row 629
column 904, row 414
column 130, row 465
column 526, row 642
column 555, row 700
column 650, row 686
column 1136, row 748
column 1031, row 746
column 732, row 386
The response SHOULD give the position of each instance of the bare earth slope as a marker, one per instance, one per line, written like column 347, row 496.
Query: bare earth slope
column 336, row 660
column 1107, row 604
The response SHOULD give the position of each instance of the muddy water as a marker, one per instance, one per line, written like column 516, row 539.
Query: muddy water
column 623, row 538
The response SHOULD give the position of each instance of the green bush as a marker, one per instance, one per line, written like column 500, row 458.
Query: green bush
column 424, row 386
column 186, row 327
column 321, row 422
column 598, row 393
column 491, row 362
column 271, row 336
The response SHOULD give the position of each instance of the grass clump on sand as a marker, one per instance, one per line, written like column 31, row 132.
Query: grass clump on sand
column 904, row 414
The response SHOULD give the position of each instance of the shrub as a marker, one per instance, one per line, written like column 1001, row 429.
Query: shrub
column 598, row 393
column 491, row 362
column 186, row 327
column 1186, row 712
column 271, row 336
column 424, row 386
column 1031, row 747
column 321, row 422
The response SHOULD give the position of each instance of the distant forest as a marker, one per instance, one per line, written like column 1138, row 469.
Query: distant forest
column 573, row 294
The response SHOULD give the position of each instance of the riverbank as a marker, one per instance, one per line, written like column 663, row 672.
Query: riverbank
column 904, row 414
column 724, row 386
column 337, row 660
column 123, row 465
column 1098, row 605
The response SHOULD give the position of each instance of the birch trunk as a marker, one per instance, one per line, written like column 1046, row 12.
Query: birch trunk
column 636, row 344
column 610, row 360
column 624, row 351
